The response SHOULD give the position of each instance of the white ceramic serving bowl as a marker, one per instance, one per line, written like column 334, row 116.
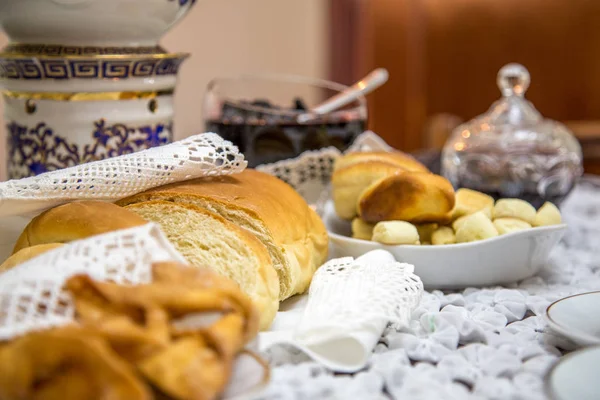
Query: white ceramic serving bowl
column 504, row 259
column 66, row 110
column 577, row 317
column 90, row 22
column 575, row 377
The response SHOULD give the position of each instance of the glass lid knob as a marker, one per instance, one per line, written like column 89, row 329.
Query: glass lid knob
column 513, row 80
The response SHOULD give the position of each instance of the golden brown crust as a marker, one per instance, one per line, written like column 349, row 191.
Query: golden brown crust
column 295, row 228
column 77, row 220
column 407, row 196
column 27, row 254
column 396, row 158
column 351, row 180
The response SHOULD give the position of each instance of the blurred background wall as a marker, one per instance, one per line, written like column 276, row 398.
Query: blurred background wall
column 229, row 37
column 442, row 55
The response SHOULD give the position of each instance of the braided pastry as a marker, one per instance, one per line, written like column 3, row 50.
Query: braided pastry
column 181, row 333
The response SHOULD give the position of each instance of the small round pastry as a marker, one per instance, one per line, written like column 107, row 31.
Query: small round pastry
column 514, row 208
column 548, row 214
column 415, row 197
column 395, row 232
column 458, row 222
column 476, row 227
column 443, row 235
column 349, row 182
column 508, row 225
column 470, row 201
column 362, row 229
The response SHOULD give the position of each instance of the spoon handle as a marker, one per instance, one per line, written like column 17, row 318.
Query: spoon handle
column 366, row 85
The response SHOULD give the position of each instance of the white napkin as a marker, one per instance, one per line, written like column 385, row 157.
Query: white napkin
column 111, row 179
column 349, row 304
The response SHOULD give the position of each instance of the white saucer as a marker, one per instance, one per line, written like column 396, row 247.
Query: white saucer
column 576, row 376
column 500, row 260
column 576, row 317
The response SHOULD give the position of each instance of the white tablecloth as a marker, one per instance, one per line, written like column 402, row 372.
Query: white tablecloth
column 489, row 343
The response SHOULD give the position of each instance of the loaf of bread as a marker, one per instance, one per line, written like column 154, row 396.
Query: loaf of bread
column 204, row 238
column 207, row 239
column 383, row 186
column 265, row 206
column 74, row 221
column 27, row 254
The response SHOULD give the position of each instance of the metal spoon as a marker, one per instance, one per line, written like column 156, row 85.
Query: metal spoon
column 366, row 85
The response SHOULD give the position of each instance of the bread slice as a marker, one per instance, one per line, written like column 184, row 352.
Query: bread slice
column 206, row 239
column 267, row 207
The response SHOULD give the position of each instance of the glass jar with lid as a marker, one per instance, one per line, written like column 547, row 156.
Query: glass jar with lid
column 511, row 151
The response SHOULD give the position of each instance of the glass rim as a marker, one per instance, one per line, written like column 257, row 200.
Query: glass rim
column 286, row 78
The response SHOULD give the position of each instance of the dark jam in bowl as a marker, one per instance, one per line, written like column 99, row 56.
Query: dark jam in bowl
column 269, row 137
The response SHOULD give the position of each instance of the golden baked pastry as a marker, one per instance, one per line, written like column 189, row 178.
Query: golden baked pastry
column 395, row 158
column 470, row 201
column 27, row 254
column 416, row 197
column 548, row 214
column 514, row 208
column 476, row 226
column 361, row 229
column 351, row 181
column 66, row 364
column 266, row 206
column 395, row 232
column 180, row 333
column 75, row 221
column 508, row 225
column 443, row 235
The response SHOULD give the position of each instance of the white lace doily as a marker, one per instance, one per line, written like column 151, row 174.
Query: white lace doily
column 310, row 173
column 31, row 295
column 111, row 179
column 349, row 305
column 489, row 343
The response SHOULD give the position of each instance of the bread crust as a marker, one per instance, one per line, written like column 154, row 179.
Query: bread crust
column 27, row 254
column 407, row 196
column 77, row 220
column 296, row 229
column 396, row 158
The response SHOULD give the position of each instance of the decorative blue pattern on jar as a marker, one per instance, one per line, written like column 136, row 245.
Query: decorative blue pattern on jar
column 37, row 149
column 33, row 68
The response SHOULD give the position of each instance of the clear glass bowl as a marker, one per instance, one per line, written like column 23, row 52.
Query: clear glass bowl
column 259, row 114
column 512, row 151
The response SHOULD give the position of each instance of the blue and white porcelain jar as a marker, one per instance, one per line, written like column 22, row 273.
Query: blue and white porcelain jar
column 86, row 79
column 66, row 110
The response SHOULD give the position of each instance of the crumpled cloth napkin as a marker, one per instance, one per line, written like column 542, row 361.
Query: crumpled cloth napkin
column 348, row 306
